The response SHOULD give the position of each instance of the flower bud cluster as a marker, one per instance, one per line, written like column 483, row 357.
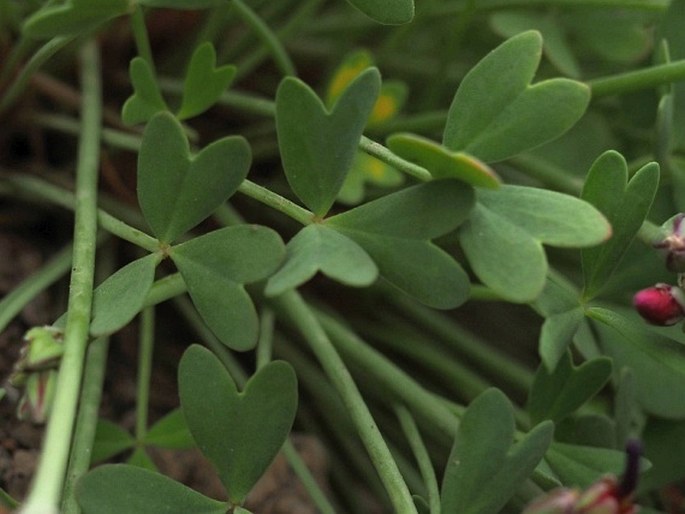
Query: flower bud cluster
column 35, row 373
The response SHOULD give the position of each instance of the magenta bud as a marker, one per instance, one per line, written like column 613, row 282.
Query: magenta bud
column 661, row 305
column 673, row 244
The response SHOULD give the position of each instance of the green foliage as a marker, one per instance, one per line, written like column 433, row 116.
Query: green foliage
column 484, row 470
column 624, row 203
column 119, row 298
column 216, row 266
column 177, row 190
column 389, row 12
column 72, row 17
column 395, row 231
column 255, row 422
column 146, row 100
column 318, row 146
column 318, row 248
column 139, row 491
column 496, row 113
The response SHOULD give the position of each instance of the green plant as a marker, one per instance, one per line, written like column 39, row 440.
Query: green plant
column 547, row 193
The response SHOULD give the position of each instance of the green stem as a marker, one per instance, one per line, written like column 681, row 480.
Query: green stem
column 276, row 201
column 292, row 306
column 145, row 350
column 380, row 152
column 37, row 60
column 35, row 187
column 19, row 50
column 16, row 300
column 89, row 405
column 166, row 288
column 46, row 492
column 267, row 37
column 413, row 435
column 637, row 80
column 308, row 481
column 266, row 337
column 141, row 37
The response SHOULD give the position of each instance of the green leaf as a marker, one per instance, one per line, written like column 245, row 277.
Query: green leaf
column 367, row 170
column 505, row 257
column 141, row 459
column 216, row 265
column 442, row 163
column 596, row 430
column 110, row 440
column 204, row 83
column 557, row 333
column 182, row 4
column 73, row 17
column 496, row 113
column 170, row 432
column 387, row 12
column 625, row 204
column 118, row 488
column 581, row 466
column 254, row 423
column 552, row 218
column 395, row 231
column 423, row 211
column 657, row 362
column 318, row 146
column 146, row 100
column 319, row 248
column 559, row 394
column 665, row 448
column 484, row 468
column 177, row 190
column 119, row 298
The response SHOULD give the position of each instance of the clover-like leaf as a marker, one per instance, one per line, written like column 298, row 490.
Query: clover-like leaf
column 177, row 190
column 118, row 488
column 216, row 266
column 170, row 432
column 204, row 82
column 110, row 440
column 395, row 230
column 484, row 469
column 557, row 333
column 367, row 170
column 119, row 298
column 146, row 100
column 319, row 248
column 254, row 423
column 496, row 112
column 441, row 162
column 318, row 146
column 558, row 394
column 624, row 203
column 504, row 256
column 387, row 12
column 72, row 17
column 657, row 362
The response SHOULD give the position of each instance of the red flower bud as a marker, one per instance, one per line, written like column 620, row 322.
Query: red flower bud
column 662, row 304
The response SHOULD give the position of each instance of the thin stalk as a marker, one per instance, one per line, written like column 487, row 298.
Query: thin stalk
column 16, row 300
column 141, row 37
column 292, row 306
column 41, row 56
column 267, row 37
column 36, row 187
column 307, row 479
column 637, row 80
column 166, row 288
column 19, row 50
column 380, row 152
column 46, row 492
column 145, row 351
column 266, row 337
column 413, row 436
column 89, row 406
column 276, row 201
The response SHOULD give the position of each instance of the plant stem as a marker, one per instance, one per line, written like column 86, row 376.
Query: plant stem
column 267, row 37
column 89, row 406
column 16, row 300
column 141, row 37
column 26, row 184
column 308, row 481
column 46, row 492
column 276, row 201
column 146, row 345
column 413, row 435
column 292, row 306
column 37, row 60
column 266, row 337
column 382, row 153
column 165, row 289
column 639, row 79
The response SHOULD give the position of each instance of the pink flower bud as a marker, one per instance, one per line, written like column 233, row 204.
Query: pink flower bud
column 662, row 304
column 673, row 245
column 558, row 501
